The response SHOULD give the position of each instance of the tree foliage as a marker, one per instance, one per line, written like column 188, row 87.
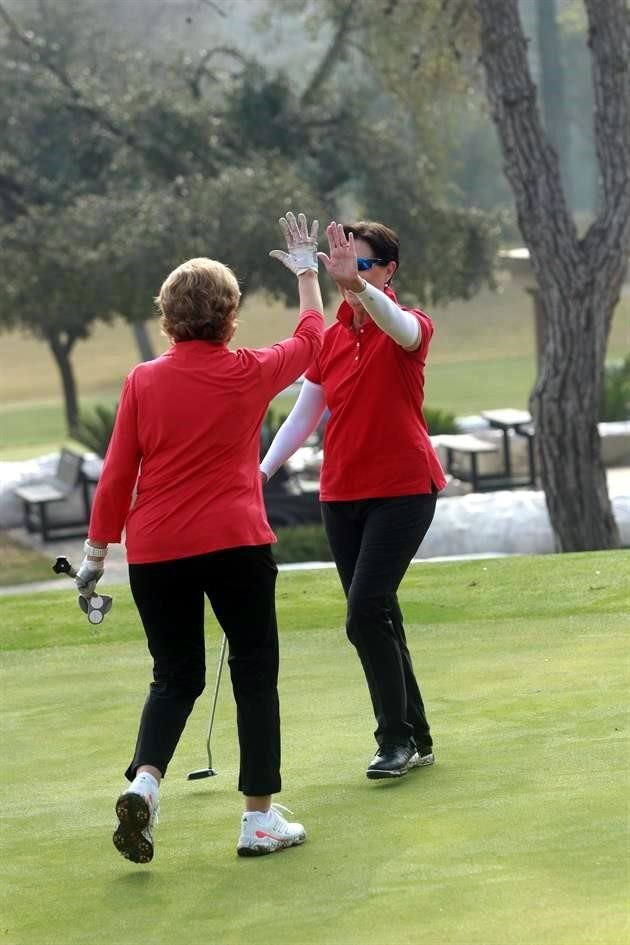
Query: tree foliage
column 117, row 163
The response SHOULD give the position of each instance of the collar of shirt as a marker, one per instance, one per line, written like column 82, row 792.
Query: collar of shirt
column 183, row 349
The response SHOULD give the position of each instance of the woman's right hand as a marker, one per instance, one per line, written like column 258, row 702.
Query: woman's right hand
column 342, row 262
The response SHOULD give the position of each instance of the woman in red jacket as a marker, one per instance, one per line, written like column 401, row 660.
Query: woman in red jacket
column 380, row 476
column 187, row 437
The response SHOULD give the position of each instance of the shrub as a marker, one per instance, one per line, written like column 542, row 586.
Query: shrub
column 271, row 425
column 95, row 430
column 301, row 543
column 439, row 421
column 615, row 402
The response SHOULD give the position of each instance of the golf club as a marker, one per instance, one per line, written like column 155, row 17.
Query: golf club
column 209, row 772
column 96, row 605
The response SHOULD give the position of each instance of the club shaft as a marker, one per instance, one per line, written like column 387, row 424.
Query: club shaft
column 215, row 697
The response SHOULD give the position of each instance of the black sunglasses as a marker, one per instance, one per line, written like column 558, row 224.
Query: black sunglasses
column 364, row 263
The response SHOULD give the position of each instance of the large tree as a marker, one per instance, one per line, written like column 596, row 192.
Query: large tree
column 55, row 282
column 579, row 277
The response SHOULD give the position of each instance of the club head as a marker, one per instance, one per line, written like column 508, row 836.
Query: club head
column 201, row 773
column 95, row 607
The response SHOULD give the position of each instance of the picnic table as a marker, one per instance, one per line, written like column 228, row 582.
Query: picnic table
column 520, row 422
column 464, row 448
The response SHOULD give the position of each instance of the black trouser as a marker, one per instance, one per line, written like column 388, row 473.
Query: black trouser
column 373, row 542
column 240, row 585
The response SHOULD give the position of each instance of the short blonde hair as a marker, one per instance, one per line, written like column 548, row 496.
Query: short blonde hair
column 198, row 301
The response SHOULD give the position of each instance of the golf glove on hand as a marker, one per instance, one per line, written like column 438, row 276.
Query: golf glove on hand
column 301, row 245
column 90, row 572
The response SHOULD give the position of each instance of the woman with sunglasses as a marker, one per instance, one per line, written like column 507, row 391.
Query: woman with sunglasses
column 380, row 475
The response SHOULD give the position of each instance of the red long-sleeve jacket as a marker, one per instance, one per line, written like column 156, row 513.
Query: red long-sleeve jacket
column 189, row 423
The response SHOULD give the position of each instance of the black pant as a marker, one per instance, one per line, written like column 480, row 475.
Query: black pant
column 240, row 585
column 373, row 542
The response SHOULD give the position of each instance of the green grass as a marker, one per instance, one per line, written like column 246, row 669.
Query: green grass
column 30, row 428
column 466, row 387
column 20, row 565
column 482, row 356
column 518, row 835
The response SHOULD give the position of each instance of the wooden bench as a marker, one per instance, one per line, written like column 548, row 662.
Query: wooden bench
column 67, row 480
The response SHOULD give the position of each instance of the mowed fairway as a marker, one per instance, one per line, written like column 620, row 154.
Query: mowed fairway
column 517, row 835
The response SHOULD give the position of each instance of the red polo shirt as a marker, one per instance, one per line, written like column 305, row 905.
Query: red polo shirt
column 190, row 420
column 376, row 442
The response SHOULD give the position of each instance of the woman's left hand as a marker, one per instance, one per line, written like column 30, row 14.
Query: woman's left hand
column 341, row 265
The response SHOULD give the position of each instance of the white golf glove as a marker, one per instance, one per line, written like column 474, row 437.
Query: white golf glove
column 302, row 246
column 90, row 571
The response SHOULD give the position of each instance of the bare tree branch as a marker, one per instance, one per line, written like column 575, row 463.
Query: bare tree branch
column 530, row 163
column 201, row 70
column 214, row 6
column 331, row 55
column 609, row 41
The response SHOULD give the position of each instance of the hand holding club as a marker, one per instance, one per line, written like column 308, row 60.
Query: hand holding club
column 94, row 606
column 88, row 576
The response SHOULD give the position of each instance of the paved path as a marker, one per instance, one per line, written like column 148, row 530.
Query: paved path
column 116, row 567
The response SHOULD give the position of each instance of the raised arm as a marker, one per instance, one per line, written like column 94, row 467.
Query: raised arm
column 284, row 362
column 301, row 258
column 403, row 327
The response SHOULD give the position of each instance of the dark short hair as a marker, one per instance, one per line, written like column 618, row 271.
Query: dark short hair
column 382, row 239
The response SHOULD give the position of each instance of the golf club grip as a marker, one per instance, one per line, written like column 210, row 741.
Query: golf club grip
column 63, row 566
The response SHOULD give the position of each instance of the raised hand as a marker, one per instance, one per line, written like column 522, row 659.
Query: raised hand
column 341, row 265
column 301, row 245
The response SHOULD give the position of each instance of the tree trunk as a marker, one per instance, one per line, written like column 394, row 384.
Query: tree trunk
column 565, row 408
column 579, row 280
column 143, row 342
column 61, row 353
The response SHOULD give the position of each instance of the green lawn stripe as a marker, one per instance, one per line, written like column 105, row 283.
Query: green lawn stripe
column 518, row 835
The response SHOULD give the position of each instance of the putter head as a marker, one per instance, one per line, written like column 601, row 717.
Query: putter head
column 95, row 607
column 201, row 773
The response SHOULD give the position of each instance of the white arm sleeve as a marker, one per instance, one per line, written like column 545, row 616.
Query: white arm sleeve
column 402, row 326
column 298, row 426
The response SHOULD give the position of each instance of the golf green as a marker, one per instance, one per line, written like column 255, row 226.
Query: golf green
column 518, row 834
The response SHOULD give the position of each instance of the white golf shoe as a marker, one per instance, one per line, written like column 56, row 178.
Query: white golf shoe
column 422, row 758
column 137, row 811
column 263, row 833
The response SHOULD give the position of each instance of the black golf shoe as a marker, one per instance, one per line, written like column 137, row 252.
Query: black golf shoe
column 392, row 761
